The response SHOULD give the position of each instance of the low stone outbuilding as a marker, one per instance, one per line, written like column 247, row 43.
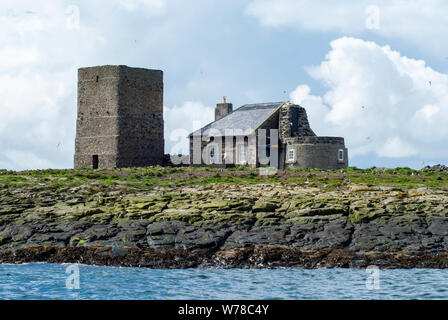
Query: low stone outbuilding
column 265, row 134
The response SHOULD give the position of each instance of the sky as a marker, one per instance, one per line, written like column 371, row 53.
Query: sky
column 373, row 72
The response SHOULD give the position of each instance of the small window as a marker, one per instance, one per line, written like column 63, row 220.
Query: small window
column 242, row 153
column 212, row 155
column 340, row 155
column 97, row 78
column 291, row 156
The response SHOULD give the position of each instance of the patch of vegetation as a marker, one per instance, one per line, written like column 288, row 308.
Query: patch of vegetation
column 152, row 177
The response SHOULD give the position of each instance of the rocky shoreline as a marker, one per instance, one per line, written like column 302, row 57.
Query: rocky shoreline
column 260, row 225
column 250, row 257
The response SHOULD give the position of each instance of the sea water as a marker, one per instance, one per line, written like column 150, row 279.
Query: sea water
column 66, row 281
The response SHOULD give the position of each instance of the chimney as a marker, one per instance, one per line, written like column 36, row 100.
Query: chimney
column 223, row 109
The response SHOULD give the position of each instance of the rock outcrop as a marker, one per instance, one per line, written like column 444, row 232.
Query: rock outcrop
column 226, row 225
column 437, row 168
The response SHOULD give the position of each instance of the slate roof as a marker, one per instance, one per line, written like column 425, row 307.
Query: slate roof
column 247, row 117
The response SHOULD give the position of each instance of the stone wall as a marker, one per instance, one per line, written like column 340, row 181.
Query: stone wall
column 310, row 151
column 293, row 122
column 222, row 110
column 223, row 146
column 141, row 139
column 120, row 117
column 316, row 152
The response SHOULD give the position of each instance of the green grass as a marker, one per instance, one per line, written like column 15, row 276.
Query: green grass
column 151, row 177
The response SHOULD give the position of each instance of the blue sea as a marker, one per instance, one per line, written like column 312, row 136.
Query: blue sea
column 66, row 281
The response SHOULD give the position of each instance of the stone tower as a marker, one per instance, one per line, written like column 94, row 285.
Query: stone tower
column 120, row 117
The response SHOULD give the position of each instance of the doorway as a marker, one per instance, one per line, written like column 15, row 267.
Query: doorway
column 95, row 162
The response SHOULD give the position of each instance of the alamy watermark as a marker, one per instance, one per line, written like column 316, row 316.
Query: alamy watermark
column 373, row 278
column 73, row 17
column 230, row 147
column 373, row 17
column 72, row 282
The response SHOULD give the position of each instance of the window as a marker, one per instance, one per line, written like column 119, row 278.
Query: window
column 341, row 155
column 291, row 156
column 268, row 146
column 242, row 153
column 212, row 155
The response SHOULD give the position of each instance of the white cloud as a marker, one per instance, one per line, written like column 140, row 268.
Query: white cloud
column 409, row 20
column 382, row 102
column 326, row 15
column 181, row 121
column 24, row 160
column 154, row 7
column 396, row 148
column 13, row 57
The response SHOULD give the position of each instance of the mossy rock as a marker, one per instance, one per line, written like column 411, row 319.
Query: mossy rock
column 176, row 215
column 365, row 214
column 99, row 218
column 231, row 218
column 298, row 220
column 216, row 205
column 154, row 207
column 75, row 241
column 264, row 205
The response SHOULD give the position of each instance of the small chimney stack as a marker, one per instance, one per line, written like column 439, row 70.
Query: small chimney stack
column 223, row 109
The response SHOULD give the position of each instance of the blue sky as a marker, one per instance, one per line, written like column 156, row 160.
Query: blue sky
column 374, row 72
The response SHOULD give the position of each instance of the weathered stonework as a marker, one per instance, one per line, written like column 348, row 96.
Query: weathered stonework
column 316, row 152
column 309, row 151
column 293, row 134
column 293, row 122
column 120, row 117
column 222, row 110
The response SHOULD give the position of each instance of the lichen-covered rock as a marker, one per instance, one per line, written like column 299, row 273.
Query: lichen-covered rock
column 227, row 225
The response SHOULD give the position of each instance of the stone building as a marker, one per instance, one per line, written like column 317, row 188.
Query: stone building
column 120, row 117
column 266, row 134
